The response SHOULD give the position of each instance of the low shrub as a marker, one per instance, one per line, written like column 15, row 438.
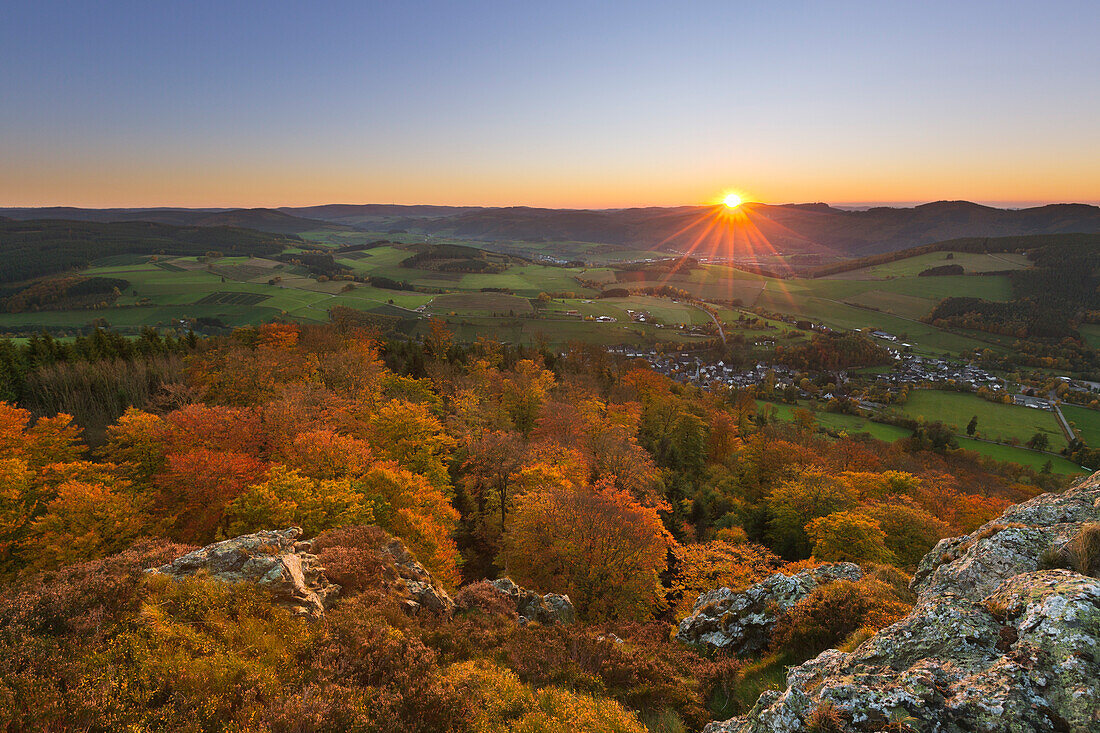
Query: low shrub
column 832, row 612
column 637, row 667
column 497, row 700
column 482, row 597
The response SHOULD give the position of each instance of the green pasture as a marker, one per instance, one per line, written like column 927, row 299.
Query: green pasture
column 995, row 421
column 889, row 433
column 1085, row 421
column 1030, row 458
column 913, row 266
column 557, row 333
column 159, row 296
column 1091, row 333
column 850, row 424
column 135, row 318
column 838, row 315
column 480, row 303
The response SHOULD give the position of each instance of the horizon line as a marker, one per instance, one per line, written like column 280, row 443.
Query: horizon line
column 902, row 204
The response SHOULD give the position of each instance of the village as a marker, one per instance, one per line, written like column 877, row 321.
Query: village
column 908, row 370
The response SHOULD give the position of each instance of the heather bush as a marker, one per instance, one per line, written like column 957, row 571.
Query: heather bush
column 639, row 668
column 834, row 611
column 200, row 655
column 498, row 701
column 483, row 598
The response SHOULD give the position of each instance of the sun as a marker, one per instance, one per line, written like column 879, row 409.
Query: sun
column 732, row 200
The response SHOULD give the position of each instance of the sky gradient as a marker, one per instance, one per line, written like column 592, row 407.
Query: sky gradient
column 560, row 104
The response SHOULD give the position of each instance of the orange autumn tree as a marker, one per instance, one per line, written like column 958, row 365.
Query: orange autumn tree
column 20, row 503
column 410, row 507
column 38, row 442
column 82, row 522
column 596, row 544
column 42, row 477
column 325, row 454
column 195, row 487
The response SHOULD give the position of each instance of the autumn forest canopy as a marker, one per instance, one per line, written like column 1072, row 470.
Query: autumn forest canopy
column 576, row 472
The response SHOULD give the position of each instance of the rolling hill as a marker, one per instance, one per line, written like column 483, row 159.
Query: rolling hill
column 760, row 228
column 787, row 228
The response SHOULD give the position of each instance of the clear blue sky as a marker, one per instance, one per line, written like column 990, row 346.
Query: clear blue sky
column 556, row 104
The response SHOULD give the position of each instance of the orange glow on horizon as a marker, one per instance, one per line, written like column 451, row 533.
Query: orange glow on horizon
column 728, row 235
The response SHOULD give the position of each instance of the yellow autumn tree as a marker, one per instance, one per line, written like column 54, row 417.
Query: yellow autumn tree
column 289, row 498
column 846, row 536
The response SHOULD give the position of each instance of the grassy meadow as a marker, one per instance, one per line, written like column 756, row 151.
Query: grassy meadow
column 995, row 421
column 852, row 425
column 1084, row 421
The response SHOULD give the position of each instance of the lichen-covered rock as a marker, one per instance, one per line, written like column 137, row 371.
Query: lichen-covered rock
column 531, row 607
column 274, row 559
column 741, row 622
column 1013, row 543
column 423, row 591
column 993, row 644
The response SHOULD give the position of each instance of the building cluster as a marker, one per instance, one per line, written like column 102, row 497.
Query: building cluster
column 913, row 369
column 909, row 370
column 692, row 368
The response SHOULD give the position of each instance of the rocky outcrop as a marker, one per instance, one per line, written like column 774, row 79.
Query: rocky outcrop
column 741, row 622
column 273, row 559
column 996, row 642
column 975, row 565
column 531, row 607
column 423, row 592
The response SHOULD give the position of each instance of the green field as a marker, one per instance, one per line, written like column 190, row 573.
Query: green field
column 239, row 290
column 558, row 333
column 479, row 303
column 889, row 433
column 995, row 421
column 835, row 314
column 841, row 422
column 893, row 298
column 970, row 261
column 164, row 292
column 1086, row 422
column 1091, row 333
column 1023, row 456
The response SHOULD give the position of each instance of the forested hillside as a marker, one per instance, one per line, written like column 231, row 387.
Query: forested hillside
column 35, row 248
column 579, row 474
column 1050, row 300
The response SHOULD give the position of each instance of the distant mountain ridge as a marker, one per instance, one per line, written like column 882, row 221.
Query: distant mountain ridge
column 264, row 220
column 788, row 228
column 814, row 227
